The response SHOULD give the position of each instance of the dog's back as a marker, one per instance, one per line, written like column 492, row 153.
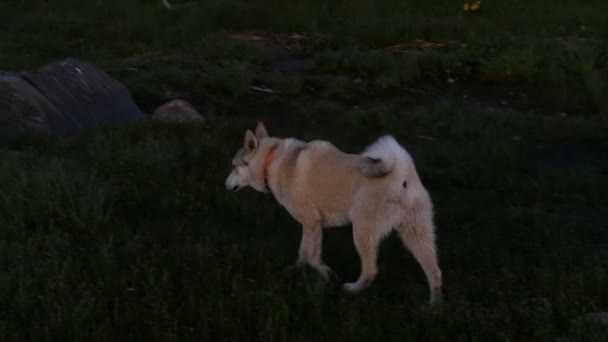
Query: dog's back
column 317, row 179
column 314, row 180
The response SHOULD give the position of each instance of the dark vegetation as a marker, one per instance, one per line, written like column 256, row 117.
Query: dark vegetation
column 126, row 233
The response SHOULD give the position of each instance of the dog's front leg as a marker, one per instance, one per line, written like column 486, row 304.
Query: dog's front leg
column 310, row 248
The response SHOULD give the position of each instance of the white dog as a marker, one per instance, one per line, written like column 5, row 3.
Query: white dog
column 321, row 186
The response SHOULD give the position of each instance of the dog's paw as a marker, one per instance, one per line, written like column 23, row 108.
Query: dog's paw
column 325, row 271
column 436, row 298
column 352, row 287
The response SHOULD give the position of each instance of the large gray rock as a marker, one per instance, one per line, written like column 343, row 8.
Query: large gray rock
column 61, row 99
column 22, row 107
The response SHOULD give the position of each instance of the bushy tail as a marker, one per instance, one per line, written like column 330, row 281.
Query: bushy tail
column 380, row 158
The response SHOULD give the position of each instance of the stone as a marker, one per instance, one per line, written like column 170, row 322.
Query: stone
column 23, row 109
column 177, row 111
column 62, row 99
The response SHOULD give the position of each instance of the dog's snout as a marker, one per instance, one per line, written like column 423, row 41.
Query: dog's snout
column 231, row 187
column 232, row 183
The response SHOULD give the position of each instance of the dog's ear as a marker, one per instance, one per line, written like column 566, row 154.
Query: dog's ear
column 251, row 142
column 260, row 131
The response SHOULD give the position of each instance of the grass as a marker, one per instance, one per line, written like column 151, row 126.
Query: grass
column 127, row 233
column 544, row 46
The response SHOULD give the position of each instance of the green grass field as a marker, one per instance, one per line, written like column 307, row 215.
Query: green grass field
column 127, row 234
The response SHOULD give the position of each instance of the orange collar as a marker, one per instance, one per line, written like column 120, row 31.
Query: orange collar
column 269, row 159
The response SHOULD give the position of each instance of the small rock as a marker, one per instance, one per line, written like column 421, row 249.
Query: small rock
column 178, row 111
column 262, row 89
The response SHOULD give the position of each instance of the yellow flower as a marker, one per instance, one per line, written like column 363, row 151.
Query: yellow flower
column 473, row 7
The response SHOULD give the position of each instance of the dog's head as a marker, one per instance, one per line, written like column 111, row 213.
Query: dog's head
column 247, row 164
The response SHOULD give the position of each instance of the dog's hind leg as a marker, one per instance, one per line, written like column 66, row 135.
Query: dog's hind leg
column 311, row 248
column 419, row 238
column 366, row 240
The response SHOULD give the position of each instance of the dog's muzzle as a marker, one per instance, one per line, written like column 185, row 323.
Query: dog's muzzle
column 233, row 188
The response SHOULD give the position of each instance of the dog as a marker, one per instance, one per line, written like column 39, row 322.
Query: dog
column 321, row 186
